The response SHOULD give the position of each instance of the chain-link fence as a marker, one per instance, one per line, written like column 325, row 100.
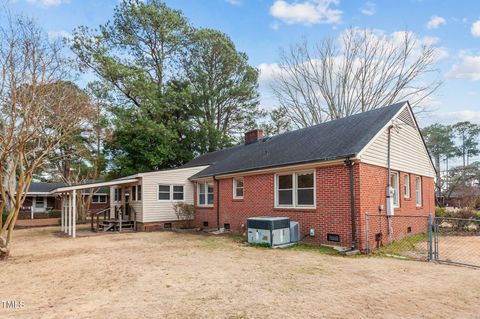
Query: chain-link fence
column 457, row 240
column 405, row 236
column 442, row 239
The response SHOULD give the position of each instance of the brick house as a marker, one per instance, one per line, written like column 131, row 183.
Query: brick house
column 41, row 199
column 327, row 177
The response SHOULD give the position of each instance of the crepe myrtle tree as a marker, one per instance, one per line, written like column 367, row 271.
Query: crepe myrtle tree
column 39, row 110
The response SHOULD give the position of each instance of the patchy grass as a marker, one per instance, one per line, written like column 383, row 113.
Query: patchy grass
column 406, row 247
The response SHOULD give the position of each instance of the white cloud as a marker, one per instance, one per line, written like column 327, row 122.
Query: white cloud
column 275, row 25
column 476, row 28
column 46, row 3
column 368, row 9
column 468, row 68
column 307, row 12
column 62, row 34
column 235, row 2
column 456, row 116
column 435, row 22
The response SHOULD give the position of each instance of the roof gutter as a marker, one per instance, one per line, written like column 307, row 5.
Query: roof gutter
column 261, row 170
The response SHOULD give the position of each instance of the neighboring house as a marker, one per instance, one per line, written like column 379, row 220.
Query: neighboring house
column 41, row 199
column 320, row 176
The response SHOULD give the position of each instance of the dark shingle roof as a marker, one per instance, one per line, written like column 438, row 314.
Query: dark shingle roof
column 331, row 140
column 39, row 187
column 43, row 187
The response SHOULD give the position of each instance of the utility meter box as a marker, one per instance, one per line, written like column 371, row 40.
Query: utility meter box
column 274, row 231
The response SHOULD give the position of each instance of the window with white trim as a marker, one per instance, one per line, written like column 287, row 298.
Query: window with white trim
column 117, row 195
column 295, row 190
column 418, row 190
column 163, row 192
column 177, row 192
column 394, row 183
column 406, row 185
column 139, row 192
column 40, row 202
column 238, row 187
column 99, row 199
column 204, row 194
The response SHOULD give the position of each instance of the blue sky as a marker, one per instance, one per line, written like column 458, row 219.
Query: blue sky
column 261, row 27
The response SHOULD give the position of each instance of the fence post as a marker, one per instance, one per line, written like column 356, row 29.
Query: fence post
column 367, row 237
column 430, row 237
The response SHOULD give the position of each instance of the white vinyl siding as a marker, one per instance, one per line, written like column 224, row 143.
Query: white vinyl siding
column 154, row 210
column 295, row 190
column 408, row 153
column 418, row 191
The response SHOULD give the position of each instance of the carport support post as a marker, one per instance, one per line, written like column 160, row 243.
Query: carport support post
column 74, row 208
column 430, row 237
column 65, row 212
column 62, row 222
column 69, row 214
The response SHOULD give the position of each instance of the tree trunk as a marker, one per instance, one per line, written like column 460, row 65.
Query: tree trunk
column 4, row 249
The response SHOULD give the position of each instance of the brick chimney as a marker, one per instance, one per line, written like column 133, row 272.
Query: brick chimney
column 253, row 136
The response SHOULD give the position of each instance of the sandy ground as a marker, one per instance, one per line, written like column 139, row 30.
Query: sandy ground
column 173, row 275
column 461, row 249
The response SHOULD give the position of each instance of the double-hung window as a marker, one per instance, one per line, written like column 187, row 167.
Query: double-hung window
column 394, row 183
column 177, row 192
column 98, row 199
column 418, row 191
column 406, row 186
column 39, row 202
column 137, row 193
column 117, row 194
column 238, row 188
column 169, row 192
column 164, row 192
column 295, row 190
column 205, row 194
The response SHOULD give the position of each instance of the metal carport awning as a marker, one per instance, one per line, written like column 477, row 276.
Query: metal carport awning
column 69, row 204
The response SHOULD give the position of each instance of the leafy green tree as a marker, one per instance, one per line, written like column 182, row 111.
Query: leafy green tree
column 224, row 88
column 173, row 91
column 468, row 134
column 137, row 56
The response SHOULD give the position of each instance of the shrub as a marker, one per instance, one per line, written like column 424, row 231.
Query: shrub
column 439, row 212
column 54, row 213
column 185, row 214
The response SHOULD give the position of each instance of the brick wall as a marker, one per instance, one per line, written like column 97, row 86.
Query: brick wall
column 373, row 183
column 332, row 212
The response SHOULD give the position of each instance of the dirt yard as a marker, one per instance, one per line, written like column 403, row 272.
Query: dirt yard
column 173, row 275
